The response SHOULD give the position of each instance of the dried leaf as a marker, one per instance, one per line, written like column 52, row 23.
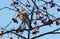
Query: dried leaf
column 34, row 22
column 40, row 17
column 36, row 29
column 0, row 35
column 14, row 20
column 44, row 22
column 52, row 5
column 46, row 15
column 58, row 9
column 11, row 38
column 38, row 11
column 14, row 3
column 17, row 31
column 57, row 22
column 17, row 9
column 34, row 32
column 27, row 5
column 50, row 22
column 44, row 8
column 21, row 30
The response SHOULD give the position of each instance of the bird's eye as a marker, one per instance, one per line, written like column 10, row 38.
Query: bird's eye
column 22, row 10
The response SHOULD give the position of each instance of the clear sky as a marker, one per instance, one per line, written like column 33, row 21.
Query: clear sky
column 6, row 15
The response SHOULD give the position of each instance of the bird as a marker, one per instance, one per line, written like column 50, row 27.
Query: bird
column 24, row 17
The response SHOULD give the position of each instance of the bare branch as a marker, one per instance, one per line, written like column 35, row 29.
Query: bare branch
column 51, row 32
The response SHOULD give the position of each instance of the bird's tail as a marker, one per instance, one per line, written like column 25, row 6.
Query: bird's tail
column 28, row 22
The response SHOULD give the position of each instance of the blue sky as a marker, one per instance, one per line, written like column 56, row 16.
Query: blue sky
column 6, row 15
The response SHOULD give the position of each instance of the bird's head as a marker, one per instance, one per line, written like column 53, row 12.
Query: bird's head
column 22, row 10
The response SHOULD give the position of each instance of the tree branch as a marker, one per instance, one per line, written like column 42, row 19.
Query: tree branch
column 11, row 31
column 51, row 32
